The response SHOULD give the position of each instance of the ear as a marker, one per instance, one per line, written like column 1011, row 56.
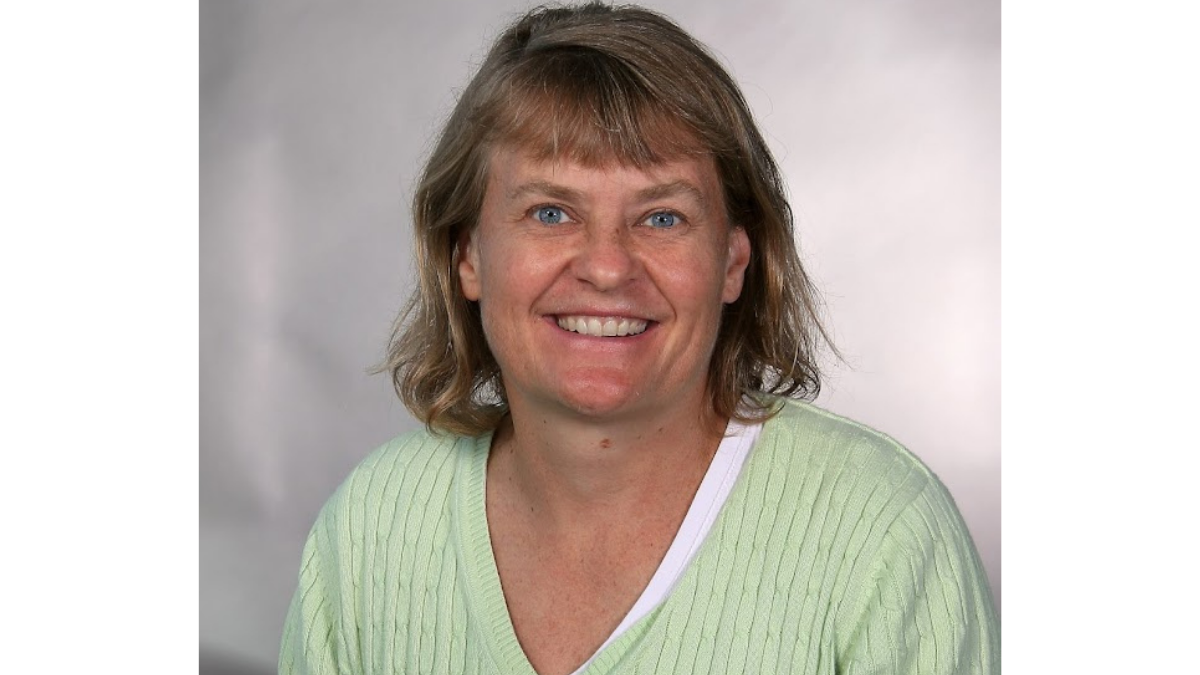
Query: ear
column 468, row 265
column 736, row 264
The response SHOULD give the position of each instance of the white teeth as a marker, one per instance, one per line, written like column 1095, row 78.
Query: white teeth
column 602, row 326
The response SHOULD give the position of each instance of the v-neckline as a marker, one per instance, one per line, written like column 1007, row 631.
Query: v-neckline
column 481, row 576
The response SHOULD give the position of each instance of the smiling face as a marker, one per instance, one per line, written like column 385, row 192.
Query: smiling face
column 601, row 289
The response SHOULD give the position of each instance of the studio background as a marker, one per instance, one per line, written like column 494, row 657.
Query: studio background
column 314, row 122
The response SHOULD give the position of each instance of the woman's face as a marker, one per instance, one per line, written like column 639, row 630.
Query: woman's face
column 601, row 289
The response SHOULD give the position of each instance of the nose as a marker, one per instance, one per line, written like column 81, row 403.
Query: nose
column 605, row 259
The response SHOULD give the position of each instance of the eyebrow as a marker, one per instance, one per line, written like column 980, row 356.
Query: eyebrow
column 541, row 187
column 674, row 189
column 660, row 191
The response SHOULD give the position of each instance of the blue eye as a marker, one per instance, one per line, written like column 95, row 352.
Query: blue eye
column 662, row 220
column 550, row 215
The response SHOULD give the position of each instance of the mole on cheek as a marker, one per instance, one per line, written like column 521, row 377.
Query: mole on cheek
column 605, row 443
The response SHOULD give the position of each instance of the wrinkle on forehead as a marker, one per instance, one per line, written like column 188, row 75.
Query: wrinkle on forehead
column 515, row 175
column 673, row 188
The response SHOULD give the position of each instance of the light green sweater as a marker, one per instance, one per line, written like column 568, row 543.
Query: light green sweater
column 836, row 552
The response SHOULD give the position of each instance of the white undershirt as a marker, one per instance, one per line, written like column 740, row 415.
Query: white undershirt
column 710, row 497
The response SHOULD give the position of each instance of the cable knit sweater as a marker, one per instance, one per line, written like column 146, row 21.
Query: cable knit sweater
column 836, row 552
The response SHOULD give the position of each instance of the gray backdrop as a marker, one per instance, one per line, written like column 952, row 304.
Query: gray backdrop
column 314, row 120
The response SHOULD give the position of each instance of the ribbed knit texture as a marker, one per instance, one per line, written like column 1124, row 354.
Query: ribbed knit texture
column 837, row 552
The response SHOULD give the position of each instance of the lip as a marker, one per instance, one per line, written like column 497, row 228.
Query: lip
column 623, row 311
column 602, row 326
column 553, row 321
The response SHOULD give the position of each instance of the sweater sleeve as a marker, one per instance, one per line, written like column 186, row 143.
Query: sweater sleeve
column 313, row 634
column 925, row 607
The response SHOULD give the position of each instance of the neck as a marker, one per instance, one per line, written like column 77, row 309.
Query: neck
column 578, row 476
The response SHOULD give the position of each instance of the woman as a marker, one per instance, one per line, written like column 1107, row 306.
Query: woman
column 610, row 334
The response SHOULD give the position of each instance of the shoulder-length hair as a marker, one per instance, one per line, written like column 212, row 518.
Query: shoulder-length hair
column 597, row 84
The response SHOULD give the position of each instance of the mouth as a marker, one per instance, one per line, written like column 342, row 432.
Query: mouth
column 603, row 326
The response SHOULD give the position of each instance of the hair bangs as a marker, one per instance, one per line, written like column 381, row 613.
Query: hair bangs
column 583, row 105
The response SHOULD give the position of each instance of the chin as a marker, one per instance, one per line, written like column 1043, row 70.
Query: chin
column 596, row 400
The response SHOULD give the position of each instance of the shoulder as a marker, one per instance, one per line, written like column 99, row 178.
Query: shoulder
column 404, row 457
column 362, row 552
column 399, row 493
column 389, row 496
column 877, row 495
column 816, row 439
column 400, row 474
column 902, row 550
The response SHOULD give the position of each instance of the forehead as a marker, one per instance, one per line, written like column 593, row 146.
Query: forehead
column 514, row 172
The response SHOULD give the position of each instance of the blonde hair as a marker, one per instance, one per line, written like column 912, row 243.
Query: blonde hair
column 596, row 84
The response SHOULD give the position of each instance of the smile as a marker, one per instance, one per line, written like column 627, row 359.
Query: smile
column 602, row 326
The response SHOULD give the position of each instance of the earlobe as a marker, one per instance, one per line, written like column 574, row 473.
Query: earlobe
column 468, row 267
column 738, row 261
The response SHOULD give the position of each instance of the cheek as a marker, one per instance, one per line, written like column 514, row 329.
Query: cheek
column 526, row 269
column 499, row 329
column 493, row 264
column 514, row 277
column 695, row 279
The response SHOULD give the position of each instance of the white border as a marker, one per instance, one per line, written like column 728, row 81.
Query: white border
column 1101, row 184
column 99, row 290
